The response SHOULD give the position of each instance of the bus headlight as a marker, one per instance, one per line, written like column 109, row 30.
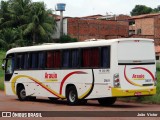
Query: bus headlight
column 116, row 81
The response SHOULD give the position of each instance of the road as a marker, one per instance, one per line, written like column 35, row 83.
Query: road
column 11, row 103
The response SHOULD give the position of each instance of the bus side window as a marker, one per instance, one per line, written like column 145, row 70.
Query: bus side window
column 50, row 59
column 10, row 65
column 66, row 58
column 26, row 61
column 57, row 59
column 105, row 57
column 41, row 57
column 34, row 61
column 95, row 57
column 86, row 57
column 75, row 58
column 20, row 61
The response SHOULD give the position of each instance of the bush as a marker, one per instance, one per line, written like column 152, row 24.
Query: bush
column 67, row 39
column 3, row 45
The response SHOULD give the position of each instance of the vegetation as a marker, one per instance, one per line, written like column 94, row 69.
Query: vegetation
column 2, row 56
column 23, row 22
column 142, row 9
column 66, row 39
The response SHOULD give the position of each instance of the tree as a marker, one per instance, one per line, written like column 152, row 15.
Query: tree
column 41, row 25
column 141, row 9
column 23, row 22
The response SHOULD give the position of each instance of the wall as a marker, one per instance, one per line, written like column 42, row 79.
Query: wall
column 146, row 26
column 83, row 29
column 56, row 34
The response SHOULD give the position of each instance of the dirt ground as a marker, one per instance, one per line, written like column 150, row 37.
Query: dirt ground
column 11, row 103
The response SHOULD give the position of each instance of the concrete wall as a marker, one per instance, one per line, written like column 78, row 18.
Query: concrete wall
column 56, row 35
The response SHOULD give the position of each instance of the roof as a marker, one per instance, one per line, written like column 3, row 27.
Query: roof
column 157, row 49
column 145, row 16
column 91, row 16
column 99, row 42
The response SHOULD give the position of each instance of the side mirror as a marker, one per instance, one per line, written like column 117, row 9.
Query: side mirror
column 3, row 66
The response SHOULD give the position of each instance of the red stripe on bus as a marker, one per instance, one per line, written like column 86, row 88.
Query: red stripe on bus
column 146, row 71
column 67, row 76
column 45, row 88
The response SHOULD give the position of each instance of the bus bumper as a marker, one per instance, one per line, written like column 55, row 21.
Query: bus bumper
column 118, row 92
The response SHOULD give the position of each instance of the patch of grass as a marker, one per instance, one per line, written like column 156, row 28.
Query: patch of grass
column 2, row 56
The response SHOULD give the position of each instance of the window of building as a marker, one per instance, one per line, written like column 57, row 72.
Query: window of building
column 105, row 57
column 139, row 31
column 157, row 57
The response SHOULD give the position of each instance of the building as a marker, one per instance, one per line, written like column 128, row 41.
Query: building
column 157, row 50
column 145, row 26
column 90, row 27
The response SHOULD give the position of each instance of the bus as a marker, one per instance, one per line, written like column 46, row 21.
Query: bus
column 101, row 70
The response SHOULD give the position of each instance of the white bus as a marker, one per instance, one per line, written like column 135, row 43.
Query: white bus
column 101, row 70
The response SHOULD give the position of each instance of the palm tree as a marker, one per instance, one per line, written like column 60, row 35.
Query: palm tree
column 19, row 10
column 41, row 25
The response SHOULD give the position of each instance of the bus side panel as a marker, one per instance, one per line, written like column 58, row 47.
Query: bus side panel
column 7, row 88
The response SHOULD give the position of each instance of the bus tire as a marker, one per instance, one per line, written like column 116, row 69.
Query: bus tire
column 72, row 96
column 21, row 93
column 107, row 101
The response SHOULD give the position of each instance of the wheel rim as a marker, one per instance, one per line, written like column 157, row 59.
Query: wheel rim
column 72, row 96
column 23, row 94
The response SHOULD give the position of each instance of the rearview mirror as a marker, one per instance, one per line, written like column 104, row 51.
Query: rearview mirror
column 3, row 64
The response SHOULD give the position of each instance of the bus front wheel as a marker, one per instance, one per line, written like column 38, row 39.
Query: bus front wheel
column 72, row 97
column 21, row 93
column 107, row 101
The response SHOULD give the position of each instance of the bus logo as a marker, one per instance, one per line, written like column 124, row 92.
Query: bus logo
column 51, row 76
column 138, row 77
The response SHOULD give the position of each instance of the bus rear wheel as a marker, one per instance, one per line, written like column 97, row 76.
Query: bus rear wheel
column 107, row 101
column 72, row 97
column 21, row 93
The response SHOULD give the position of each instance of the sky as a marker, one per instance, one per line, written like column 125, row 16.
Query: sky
column 79, row 8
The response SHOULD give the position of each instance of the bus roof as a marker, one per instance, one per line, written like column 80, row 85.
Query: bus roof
column 98, row 42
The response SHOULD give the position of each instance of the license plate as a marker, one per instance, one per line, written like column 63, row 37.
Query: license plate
column 137, row 93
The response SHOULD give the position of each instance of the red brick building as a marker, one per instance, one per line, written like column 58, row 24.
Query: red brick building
column 91, row 27
column 145, row 26
column 83, row 29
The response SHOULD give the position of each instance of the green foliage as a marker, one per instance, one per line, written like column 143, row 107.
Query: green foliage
column 2, row 56
column 23, row 22
column 66, row 39
column 142, row 9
